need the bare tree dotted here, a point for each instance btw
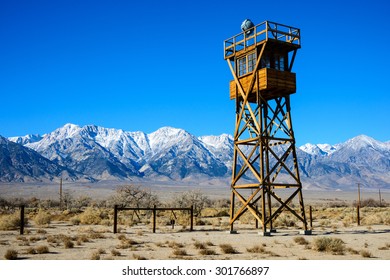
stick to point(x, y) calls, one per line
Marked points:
point(192, 198)
point(134, 196)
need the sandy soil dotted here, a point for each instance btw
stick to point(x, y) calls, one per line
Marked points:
point(138, 242)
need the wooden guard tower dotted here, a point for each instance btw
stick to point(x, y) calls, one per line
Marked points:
point(265, 176)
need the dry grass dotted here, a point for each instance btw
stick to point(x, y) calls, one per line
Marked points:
point(126, 243)
point(259, 249)
point(199, 245)
point(366, 254)
point(31, 251)
point(10, 222)
point(300, 240)
point(228, 249)
point(90, 216)
point(42, 249)
point(207, 252)
point(179, 252)
point(138, 257)
point(43, 218)
point(95, 256)
point(174, 244)
point(352, 251)
point(68, 244)
point(11, 254)
point(115, 253)
point(327, 244)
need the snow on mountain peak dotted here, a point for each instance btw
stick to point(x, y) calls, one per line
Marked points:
point(23, 140)
point(67, 131)
point(217, 141)
point(165, 137)
point(318, 149)
point(364, 141)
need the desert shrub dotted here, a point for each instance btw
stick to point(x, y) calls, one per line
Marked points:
point(31, 251)
point(369, 202)
point(174, 244)
point(199, 245)
point(11, 222)
point(373, 219)
point(42, 218)
point(285, 220)
point(95, 256)
point(127, 243)
point(82, 201)
point(327, 244)
point(256, 249)
point(11, 254)
point(221, 203)
point(300, 240)
point(42, 249)
point(365, 254)
point(227, 249)
point(90, 216)
point(138, 257)
point(34, 239)
point(115, 253)
point(68, 244)
point(82, 238)
point(75, 221)
point(179, 252)
point(23, 241)
point(223, 213)
point(96, 235)
point(352, 251)
point(207, 252)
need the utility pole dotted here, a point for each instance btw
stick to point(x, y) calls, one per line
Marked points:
point(380, 198)
point(358, 206)
point(61, 194)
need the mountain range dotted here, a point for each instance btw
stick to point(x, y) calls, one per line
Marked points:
point(93, 153)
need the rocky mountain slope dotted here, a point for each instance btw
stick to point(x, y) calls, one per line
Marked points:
point(175, 154)
point(20, 164)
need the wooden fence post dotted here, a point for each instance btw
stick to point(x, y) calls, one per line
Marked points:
point(192, 218)
point(115, 218)
point(311, 217)
point(154, 218)
point(21, 219)
point(358, 215)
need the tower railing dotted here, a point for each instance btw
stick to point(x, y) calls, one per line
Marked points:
point(260, 33)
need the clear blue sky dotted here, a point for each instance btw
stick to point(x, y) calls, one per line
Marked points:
point(141, 65)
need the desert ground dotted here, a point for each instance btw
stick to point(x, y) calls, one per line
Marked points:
point(87, 233)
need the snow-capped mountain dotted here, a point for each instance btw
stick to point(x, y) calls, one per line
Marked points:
point(360, 159)
point(23, 140)
point(113, 153)
point(91, 150)
point(175, 154)
point(21, 164)
point(221, 147)
point(318, 149)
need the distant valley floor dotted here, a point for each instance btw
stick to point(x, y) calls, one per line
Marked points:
point(166, 190)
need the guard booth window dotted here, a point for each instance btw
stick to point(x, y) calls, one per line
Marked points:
point(246, 64)
point(242, 66)
point(279, 62)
